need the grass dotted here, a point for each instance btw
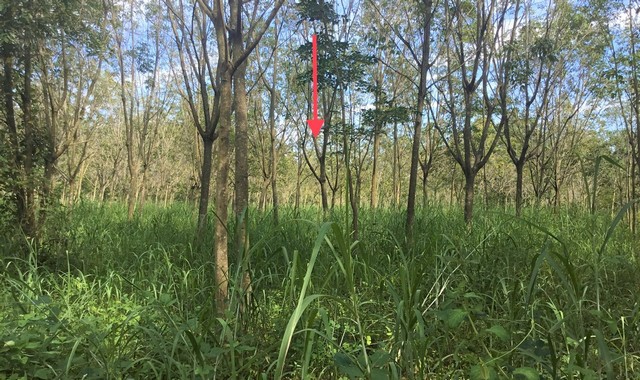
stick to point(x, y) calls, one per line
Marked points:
point(551, 295)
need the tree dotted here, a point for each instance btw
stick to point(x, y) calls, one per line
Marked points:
point(270, 142)
point(474, 35)
point(232, 51)
point(70, 66)
point(618, 21)
point(27, 26)
point(528, 81)
point(139, 54)
point(329, 49)
point(420, 56)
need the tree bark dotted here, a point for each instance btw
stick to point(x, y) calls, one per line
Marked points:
point(9, 111)
point(519, 185)
point(417, 125)
point(29, 224)
point(377, 130)
point(469, 187)
point(242, 171)
point(272, 135)
point(395, 201)
point(220, 246)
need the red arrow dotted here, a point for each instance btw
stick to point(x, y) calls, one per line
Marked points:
point(315, 124)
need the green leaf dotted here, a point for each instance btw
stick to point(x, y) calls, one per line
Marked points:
point(379, 374)
point(347, 366)
point(303, 302)
point(499, 331)
point(483, 372)
point(43, 373)
point(452, 317)
point(526, 373)
point(165, 298)
point(380, 359)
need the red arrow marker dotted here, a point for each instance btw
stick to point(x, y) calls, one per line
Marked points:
point(315, 124)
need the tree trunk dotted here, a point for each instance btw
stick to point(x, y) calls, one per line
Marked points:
point(133, 191)
point(272, 134)
point(375, 180)
point(205, 185)
point(296, 205)
point(632, 195)
point(323, 191)
point(469, 187)
point(220, 246)
point(9, 113)
point(377, 130)
point(242, 172)
point(417, 125)
point(425, 195)
point(396, 170)
point(142, 189)
point(241, 162)
point(29, 224)
point(519, 180)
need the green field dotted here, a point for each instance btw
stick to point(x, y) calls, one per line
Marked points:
point(550, 295)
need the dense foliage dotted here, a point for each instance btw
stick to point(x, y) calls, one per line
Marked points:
point(551, 295)
point(469, 208)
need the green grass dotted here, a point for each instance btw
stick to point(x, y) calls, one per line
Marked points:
point(551, 295)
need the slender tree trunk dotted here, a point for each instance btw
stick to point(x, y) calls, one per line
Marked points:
point(469, 187)
point(133, 191)
point(242, 173)
point(79, 182)
point(274, 179)
point(10, 117)
point(205, 185)
point(349, 190)
point(142, 189)
point(425, 195)
point(323, 191)
point(94, 192)
point(274, 161)
point(272, 134)
point(375, 176)
point(241, 163)
point(220, 246)
point(27, 116)
point(519, 183)
point(415, 152)
point(377, 130)
point(632, 190)
point(396, 170)
point(417, 125)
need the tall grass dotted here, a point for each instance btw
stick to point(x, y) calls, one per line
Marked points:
point(551, 295)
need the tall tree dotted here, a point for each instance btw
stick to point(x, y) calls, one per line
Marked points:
point(26, 26)
point(474, 38)
point(420, 56)
point(69, 68)
point(191, 30)
point(619, 21)
point(234, 47)
point(139, 54)
point(270, 141)
point(527, 83)
point(322, 19)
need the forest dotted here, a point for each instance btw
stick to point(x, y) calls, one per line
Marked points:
point(468, 209)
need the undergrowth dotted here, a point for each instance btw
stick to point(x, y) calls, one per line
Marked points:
point(550, 295)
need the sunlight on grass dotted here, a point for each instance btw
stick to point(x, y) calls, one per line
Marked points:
point(546, 296)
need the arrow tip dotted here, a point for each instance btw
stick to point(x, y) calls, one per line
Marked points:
point(315, 126)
